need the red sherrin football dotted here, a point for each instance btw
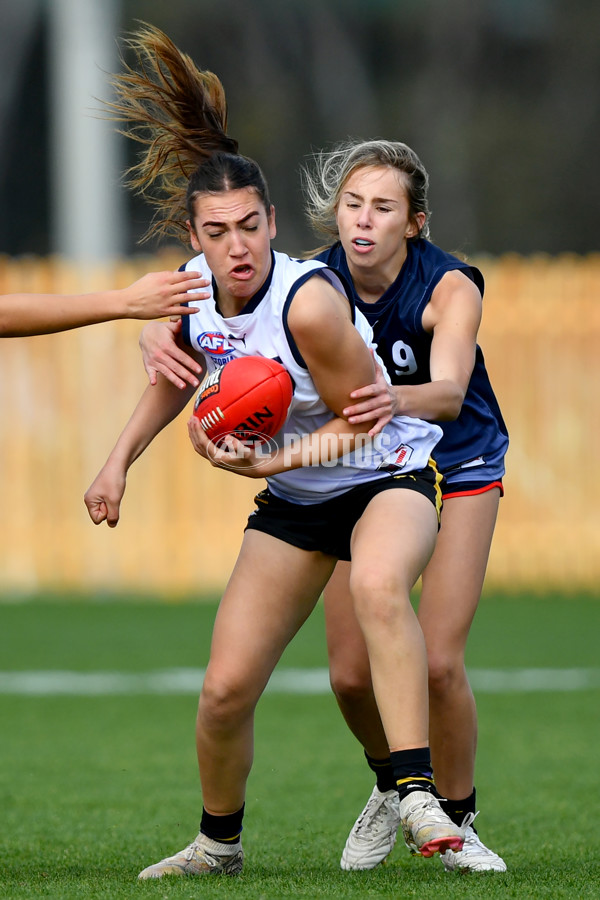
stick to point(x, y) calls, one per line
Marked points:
point(248, 397)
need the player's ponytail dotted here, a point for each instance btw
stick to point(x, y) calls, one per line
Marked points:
point(178, 114)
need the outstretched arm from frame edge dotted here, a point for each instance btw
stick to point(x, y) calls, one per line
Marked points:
point(155, 295)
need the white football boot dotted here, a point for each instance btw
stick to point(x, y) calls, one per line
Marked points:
point(426, 827)
point(202, 857)
point(474, 856)
point(374, 833)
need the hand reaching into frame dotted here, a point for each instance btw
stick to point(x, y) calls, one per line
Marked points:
point(160, 294)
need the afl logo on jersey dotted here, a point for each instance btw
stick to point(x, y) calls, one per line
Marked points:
point(216, 345)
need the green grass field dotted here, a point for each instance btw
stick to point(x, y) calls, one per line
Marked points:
point(95, 786)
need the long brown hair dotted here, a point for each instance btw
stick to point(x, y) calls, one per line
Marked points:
point(178, 114)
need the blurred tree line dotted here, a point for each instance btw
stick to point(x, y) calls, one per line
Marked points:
point(500, 98)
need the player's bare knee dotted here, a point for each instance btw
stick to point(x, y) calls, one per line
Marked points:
point(351, 686)
point(444, 674)
point(378, 597)
point(224, 703)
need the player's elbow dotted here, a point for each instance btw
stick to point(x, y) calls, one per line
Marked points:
point(451, 412)
point(451, 403)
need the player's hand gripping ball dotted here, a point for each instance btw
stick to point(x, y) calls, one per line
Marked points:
point(248, 397)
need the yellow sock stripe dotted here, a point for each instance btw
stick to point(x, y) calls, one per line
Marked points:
point(419, 778)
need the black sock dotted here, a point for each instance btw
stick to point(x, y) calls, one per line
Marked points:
point(458, 809)
point(383, 771)
point(412, 770)
point(225, 829)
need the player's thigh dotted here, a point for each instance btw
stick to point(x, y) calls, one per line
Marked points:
point(272, 590)
point(346, 647)
point(453, 579)
point(393, 540)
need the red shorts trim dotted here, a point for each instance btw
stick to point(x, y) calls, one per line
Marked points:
point(471, 489)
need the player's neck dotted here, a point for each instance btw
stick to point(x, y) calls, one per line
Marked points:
point(231, 306)
point(371, 285)
point(371, 282)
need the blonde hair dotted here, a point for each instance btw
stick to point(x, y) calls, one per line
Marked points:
point(324, 180)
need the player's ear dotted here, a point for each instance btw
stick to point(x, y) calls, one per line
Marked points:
point(194, 240)
point(271, 221)
point(415, 225)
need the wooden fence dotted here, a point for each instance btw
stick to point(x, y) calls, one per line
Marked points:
point(64, 398)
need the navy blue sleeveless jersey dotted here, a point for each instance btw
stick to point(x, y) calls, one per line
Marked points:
point(478, 436)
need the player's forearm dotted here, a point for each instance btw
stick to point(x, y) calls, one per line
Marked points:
point(22, 315)
point(434, 401)
point(330, 442)
point(159, 405)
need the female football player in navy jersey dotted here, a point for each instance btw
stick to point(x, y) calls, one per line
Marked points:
point(425, 307)
point(323, 502)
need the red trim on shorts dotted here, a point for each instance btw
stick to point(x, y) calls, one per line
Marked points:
point(472, 492)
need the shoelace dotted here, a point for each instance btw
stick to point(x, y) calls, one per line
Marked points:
point(372, 813)
point(468, 821)
point(195, 847)
point(191, 849)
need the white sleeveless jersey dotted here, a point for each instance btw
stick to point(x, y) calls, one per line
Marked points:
point(261, 329)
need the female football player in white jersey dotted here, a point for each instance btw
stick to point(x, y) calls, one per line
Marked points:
point(311, 514)
point(425, 307)
point(154, 295)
